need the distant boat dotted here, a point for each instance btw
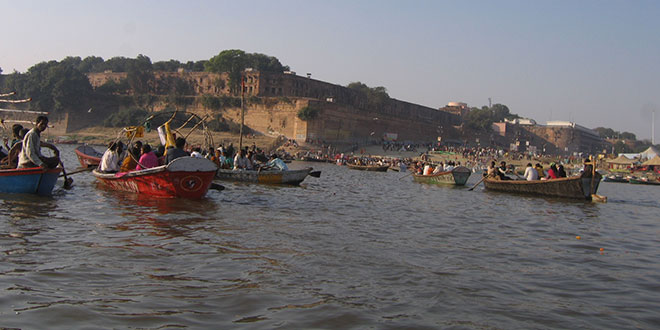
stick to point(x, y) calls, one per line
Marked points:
point(292, 177)
point(615, 178)
point(575, 187)
point(644, 181)
point(376, 168)
point(88, 156)
point(185, 177)
point(458, 176)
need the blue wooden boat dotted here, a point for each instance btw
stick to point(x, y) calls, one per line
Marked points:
point(35, 180)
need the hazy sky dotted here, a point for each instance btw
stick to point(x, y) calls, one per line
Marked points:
point(593, 62)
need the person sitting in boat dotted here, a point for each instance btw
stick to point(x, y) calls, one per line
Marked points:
point(148, 158)
point(552, 172)
point(427, 169)
point(110, 160)
point(176, 151)
point(530, 173)
point(30, 155)
point(586, 171)
point(276, 163)
point(196, 153)
point(561, 173)
point(438, 169)
point(539, 170)
point(501, 171)
point(240, 161)
point(16, 131)
point(491, 172)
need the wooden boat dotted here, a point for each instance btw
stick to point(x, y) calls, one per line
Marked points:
point(292, 177)
point(615, 178)
point(376, 168)
point(88, 156)
point(458, 176)
point(575, 187)
point(35, 180)
point(185, 177)
point(644, 181)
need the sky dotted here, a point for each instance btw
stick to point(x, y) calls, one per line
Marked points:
point(596, 63)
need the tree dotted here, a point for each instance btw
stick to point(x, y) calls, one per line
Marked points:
point(308, 113)
point(140, 74)
point(479, 119)
point(628, 136)
point(235, 61)
point(376, 96)
point(232, 61)
point(91, 64)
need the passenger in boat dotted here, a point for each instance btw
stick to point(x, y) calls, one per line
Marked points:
point(552, 172)
point(501, 171)
point(240, 161)
point(530, 173)
point(427, 169)
point(492, 170)
point(539, 170)
point(438, 169)
point(176, 151)
point(587, 169)
point(148, 158)
point(16, 131)
point(561, 173)
point(276, 163)
point(196, 153)
point(110, 159)
point(30, 155)
point(226, 162)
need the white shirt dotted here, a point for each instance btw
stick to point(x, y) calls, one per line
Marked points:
point(531, 174)
point(110, 161)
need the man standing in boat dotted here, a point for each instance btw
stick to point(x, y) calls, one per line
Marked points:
point(30, 155)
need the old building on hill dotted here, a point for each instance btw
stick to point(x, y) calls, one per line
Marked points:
point(339, 114)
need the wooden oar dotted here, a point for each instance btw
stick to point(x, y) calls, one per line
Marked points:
point(68, 182)
point(86, 169)
point(480, 181)
point(411, 173)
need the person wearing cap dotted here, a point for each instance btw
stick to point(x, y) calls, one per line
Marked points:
point(276, 163)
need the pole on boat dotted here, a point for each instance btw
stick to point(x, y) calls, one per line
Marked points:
point(480, 181)
point(240, 138)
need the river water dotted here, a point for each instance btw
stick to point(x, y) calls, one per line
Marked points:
point(350, 249)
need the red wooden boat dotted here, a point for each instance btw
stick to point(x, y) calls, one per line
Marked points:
point(88, 156)
point(185, 177)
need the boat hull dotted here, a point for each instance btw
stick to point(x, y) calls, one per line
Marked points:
point(292, 177)
point(458, 176)
point(573, 187)
point(373, 168)
point(88, 156)
point(34, 180)
point(184, 177)
point(649, 182)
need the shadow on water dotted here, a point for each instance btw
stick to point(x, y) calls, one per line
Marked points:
point(27, 206)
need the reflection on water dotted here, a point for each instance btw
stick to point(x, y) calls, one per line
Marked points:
point(350, 249)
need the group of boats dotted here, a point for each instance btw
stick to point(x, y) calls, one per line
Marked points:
point(576, 187)
point(631, 179)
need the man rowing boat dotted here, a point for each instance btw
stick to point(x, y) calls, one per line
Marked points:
point(30, 155)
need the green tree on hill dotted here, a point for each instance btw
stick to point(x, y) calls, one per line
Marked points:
point(235, 61)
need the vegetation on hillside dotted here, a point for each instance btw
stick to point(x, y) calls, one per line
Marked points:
point(376, 96)
point(235, 61)
point(483, 119)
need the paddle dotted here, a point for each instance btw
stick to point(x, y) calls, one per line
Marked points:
point(86, 169)
point(68, 182)
point(480, 181)
point(216, 186)
point(411, 173)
